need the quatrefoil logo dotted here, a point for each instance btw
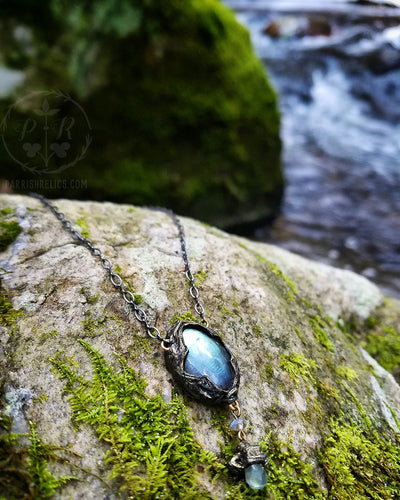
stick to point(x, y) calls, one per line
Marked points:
point(46, 132)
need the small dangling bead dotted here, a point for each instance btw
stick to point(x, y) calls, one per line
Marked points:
point(237, 425)
point(255, 476)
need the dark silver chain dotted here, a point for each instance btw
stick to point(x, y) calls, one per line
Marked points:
point(116, 279)
point(193, 290)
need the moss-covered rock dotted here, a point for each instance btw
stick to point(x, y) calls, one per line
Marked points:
point(91, 394)
point(9, 228)
point(182, 112)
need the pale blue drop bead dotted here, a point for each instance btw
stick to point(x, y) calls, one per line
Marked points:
point(207, 357)
point(255, 476)
point(237, 424)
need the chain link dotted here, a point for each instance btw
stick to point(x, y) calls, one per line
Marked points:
point(193, 290)
point(115, 278)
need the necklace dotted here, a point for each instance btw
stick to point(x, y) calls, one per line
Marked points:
point(195, 354)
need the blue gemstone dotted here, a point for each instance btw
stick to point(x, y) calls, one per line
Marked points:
point(207, 357)
point(256, 476)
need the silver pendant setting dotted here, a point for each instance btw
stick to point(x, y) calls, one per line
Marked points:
point(201, 363)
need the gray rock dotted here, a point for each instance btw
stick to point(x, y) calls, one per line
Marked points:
point(283, 316)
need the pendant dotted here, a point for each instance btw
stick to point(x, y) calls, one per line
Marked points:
point(250, 461)
point(201, 363)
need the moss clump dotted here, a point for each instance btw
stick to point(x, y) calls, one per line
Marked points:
point(24, 470)
point(384, 345)
point(141, 345)
point(84, 227)
point(273, 268)
point(257, 330)
point(361, 464)
point(8, 315)
point(224, 310)
point(186, 316)
point(195, 123)
point(14, 474)
point(6, 211)
point(199, 278)
point(346, 372)
point(152, 452)
point(298, 366)
point(48, 335)
point(93, 327)
point(320, 335)
point(327, 390)
point(9, 230)
point(90, 299)
point(268, 373)
point(44, 482)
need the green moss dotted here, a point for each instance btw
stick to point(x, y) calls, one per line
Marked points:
point(42, 398)
point(301, 337)
point(8, 315)
point(151, 449)
point(6, 211)
point(118, 269)
point(141, 345)
point(298, 366)
point(90, 299)
point(318, 324)
point(44, 482)
point(345, 372)
point(48, 335)
point(235, 304)
point(9, 230)
point(14, 476)
point(257, 330)
point(275, 270)
point(199, 278)
point(93, 327)
point(268, 373)
point(327, 390)
point(384, 345)
point(24, 470)
point(84, 227)
point(361, 464)
point(224, 310)
point(186, 316)
point(138, 298)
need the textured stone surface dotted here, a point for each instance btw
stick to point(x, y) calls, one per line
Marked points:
point(270, 317)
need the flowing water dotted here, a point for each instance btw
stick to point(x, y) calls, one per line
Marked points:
point(337, 71)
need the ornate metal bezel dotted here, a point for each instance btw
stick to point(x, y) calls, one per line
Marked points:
point(200, 388)
point(246, 455)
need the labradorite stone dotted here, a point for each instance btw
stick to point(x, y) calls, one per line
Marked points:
point(207, 357)
point(237, 424)
point(256, 476)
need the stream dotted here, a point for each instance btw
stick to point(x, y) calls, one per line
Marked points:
point(336, 67)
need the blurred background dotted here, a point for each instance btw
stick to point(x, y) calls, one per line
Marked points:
point(278, 120)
